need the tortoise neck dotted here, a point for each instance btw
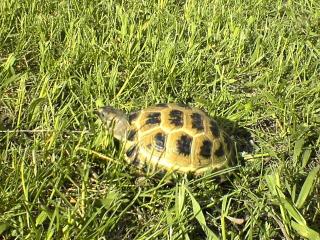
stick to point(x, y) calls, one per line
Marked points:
point(120, 129)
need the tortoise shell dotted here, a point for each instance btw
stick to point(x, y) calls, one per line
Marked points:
point(177, 137)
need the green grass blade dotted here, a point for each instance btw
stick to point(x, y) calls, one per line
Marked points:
point(197, 211)
point(224, 213)
point(3, 227)
point(305, 158)
point(41, 217)
point(272, 183)
point(307, 187)
point(293, 212)
point(180, 198)
point(305, 232)
point(297, 150)
point(36, 103)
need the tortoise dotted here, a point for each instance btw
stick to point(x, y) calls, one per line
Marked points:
point(175, 137)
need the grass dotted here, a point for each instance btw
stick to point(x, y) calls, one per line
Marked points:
point(255, 64)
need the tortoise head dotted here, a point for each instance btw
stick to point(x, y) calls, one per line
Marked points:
point(114, 119)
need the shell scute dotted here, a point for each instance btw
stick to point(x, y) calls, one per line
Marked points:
point(206, 149)
point(160, 141)
point(184, 144)
point(197, 121)
point(219, 151)
point(176, 118)
point(133, 117)
point(148, 121)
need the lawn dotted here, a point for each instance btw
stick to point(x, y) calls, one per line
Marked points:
point(254, 65)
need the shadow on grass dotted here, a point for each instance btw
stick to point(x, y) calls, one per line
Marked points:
point(240, 136)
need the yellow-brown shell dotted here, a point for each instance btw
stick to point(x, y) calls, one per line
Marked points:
point(177, 137)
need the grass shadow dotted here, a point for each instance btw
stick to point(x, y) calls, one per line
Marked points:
point(239, 135)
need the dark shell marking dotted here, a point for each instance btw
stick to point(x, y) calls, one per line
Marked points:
point(228, 142)
point(136, 161)
point(184, 145)
point(214, 128)
point(162, 105)
point(197, 122)
point(131, 151)
point(183, 105)
point(153, 118)
point(131, 134)
point(219, 152)
point(160, 141)
point(133, 116)
point(176, 118)
point(205, 149)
